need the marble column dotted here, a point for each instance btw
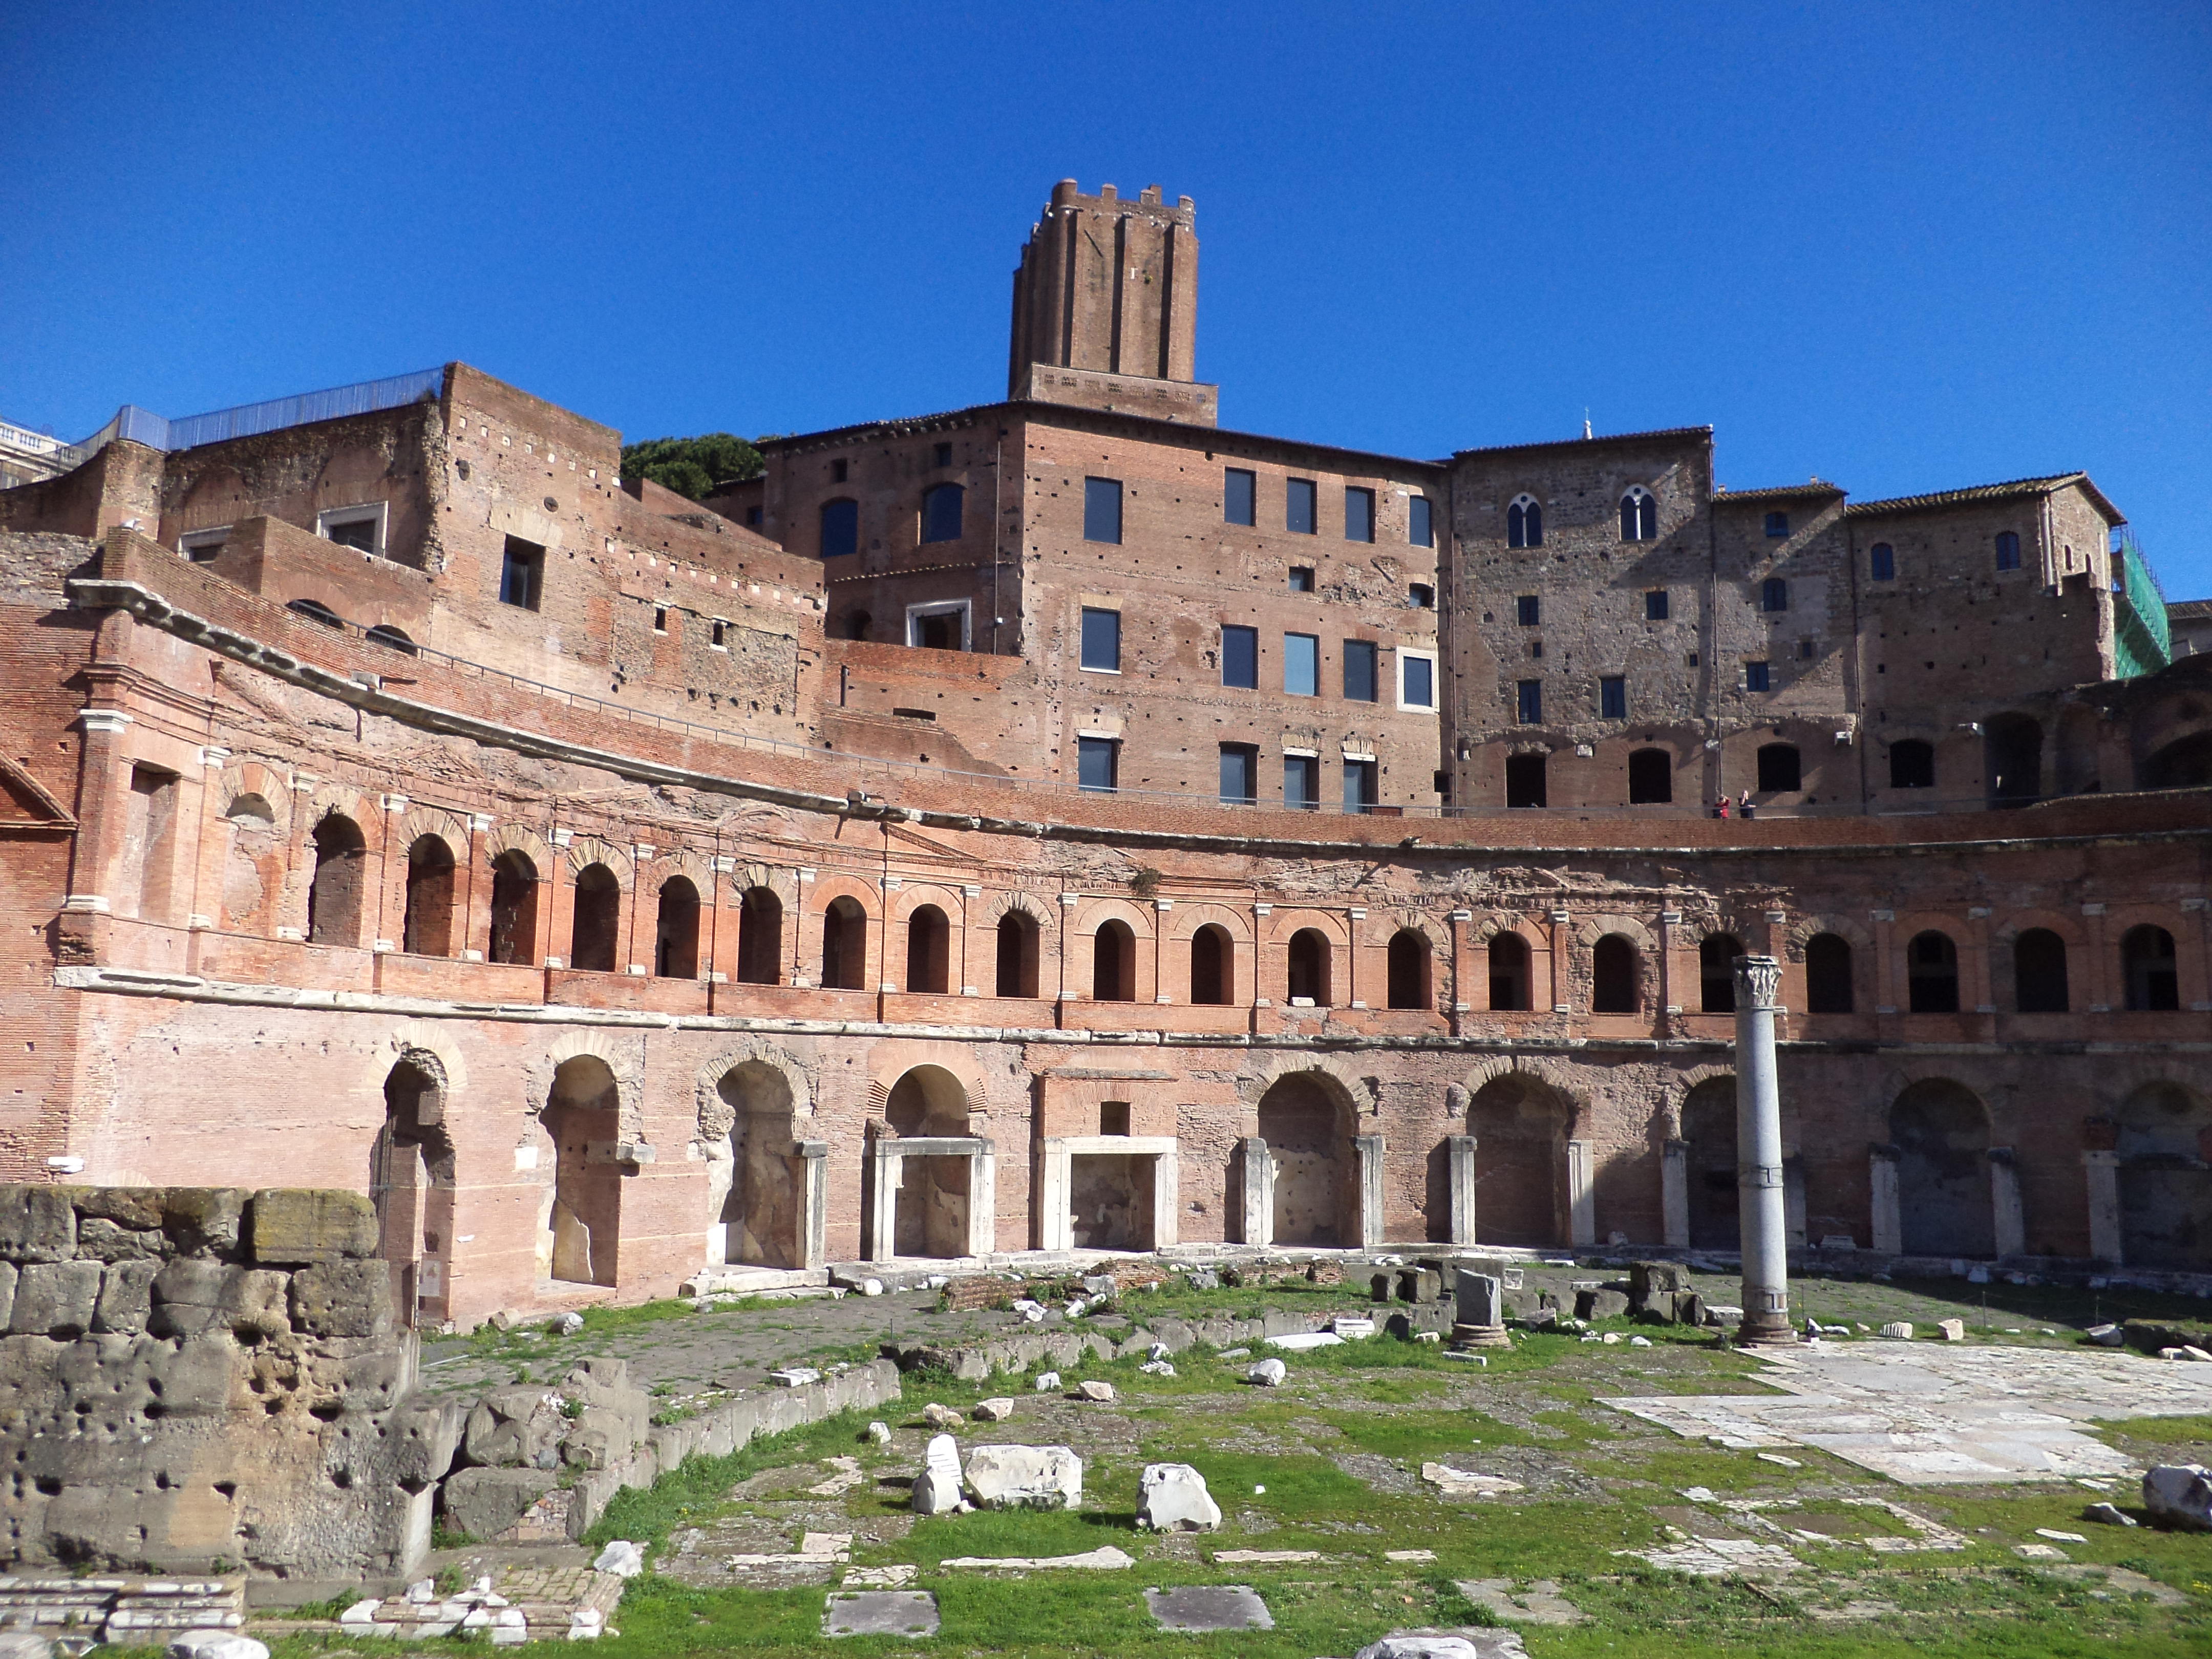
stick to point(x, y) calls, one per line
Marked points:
point(1759, 1154)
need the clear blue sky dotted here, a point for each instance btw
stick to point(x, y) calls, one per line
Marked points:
point(1905, 248)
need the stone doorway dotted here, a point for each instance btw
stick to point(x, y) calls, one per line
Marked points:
point(411, 1183)
point(579, 1235)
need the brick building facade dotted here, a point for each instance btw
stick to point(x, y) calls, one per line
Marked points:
point(1065, 823)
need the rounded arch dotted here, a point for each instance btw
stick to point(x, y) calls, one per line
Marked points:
point(1799, 930)
point(1594, 927)
point(743, 878)
point(2165, 1146)
point(929, 949)
point(327, 798)
point(890, 1063)
point(338, 887)
point(1213, 965)
point(622, 1061)
point(1310, 962)
point(697, 868)
point(927, 1099)
point(1358, 1092)
point(1931, 972)
point(519, 838)
point(252, 783)
point(912, 895)
point(1521, 1121)
point(580, 1234)
point(1113, 961)
point(1308, 1118)
point(1092, 912)
point(2150, 976)
point(427, 916)
point(1708, 1132)
point(595, 899)
point(448, 827)
point(760, 935)
point(1940, 1130)
point(1552, 1074)
point(715, 1115)
point(754, 1186)
point(675, 929)
point(998, 906)
point(585, 851)
point(1410, 964)
point(1189, 917)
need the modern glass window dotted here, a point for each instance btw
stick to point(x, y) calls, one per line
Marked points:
point(1777, 524)
point(1530, 697)
point(1359, 671)
point(1422, 595)
point(1101, 640)
point(1774, 594)
point(522, 573)
point(1639, 515)
point(841, 529)
point(1755, 678)
point(1612, 697)
point(1420, 529)
point(1302, 782)
point(1102, 510)
point(1098, 765)
point(1654, 606)
point(1240, 656)
point(1528, 609)
point(1301, 664)
point(1360, 786)
point(2008, 550)
point(1240, 775)
point(1359, 514)
point(1299, 506)
point(1417, 681)
point(941, 513)
point(1882, 562)
point(1524, 523)
point(1239, 491)
point(1301, 578)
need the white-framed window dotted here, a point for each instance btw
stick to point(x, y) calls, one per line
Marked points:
point(1417, 679)
point(361, 527)
point(939, 627)
point(202, 545)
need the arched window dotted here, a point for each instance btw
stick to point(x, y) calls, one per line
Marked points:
point(1309, 975)
point(841, 529)
point(2011, 747)
point(1508, 973)
point(2008, 550)
point(1931, 974)
point(1018, 955)
point(1114, 964)
point(1717, 955)
point(1774, 594)
point(760, 938)
point(385, 635)
point(1408, 964)
point(427, 928)
point(1615, 971)
point(1882, 562)
point(676, 931)
point(1639, 515)
point(1780, 769)
point(928, 951)
point(1212, 967)
point(2146, 963)
point(316, 610)
point(1650, 777)
point(2038, 972)
point(1827, 975)
point(514, 910)
point(334, 894)
point(1911, 764)
point(940, 513)
point(596, 920)
point(1524, 523)
point(844, 945)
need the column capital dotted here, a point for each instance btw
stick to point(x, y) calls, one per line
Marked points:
point(1757, 981)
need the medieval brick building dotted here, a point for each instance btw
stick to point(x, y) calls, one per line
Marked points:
point(1066, 823)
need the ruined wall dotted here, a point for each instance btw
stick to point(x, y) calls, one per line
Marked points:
point(194, 1378)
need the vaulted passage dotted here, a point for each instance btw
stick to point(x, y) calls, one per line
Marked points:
point(760, 938)
point(580, 1232)
point(933, 1195)
point(1709, 1127)
point(427, 927)
point(2166, 1178)
point(1212, 967)
point(410, 1182)
point(1017, 964)
point(1520, 1129)
point(1942, 1134)
point(514, 910)
point(1409, 961)
point(676, 931)
point(341, 871)
point(1114, 964)
point(760, 1216)
point(844, 945)
point(929, 950)
point(1307, 1129)
point(597, 919)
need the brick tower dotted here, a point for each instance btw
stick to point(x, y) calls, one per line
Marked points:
point(1106, 306)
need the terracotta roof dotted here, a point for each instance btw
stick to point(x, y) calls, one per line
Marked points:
point(1781, 492)
point(1993, 492)
point(2191, 608)
point(1602, 438)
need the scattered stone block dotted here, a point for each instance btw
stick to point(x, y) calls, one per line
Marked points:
point(2058, 1537)
point(2179, 1495)
point(1432, 1645)
point(1173, 1498)
point(296, 1226)
point(847, 1474)
point(1639, 1341)
point(1267, 1373)
point(1465, 1483)
point(1025, 1477)
point(1100, 1393)
point(622, 1557)
point(2110, 1514)
point(567, 1324)
point(937, 1488)
point(1305, 1341)
point(215, 1644)
point(897, 1576)
point(938, 1416)
point(1105, 1559)
point(880, 1433)
point(2038, 1553)
point(1202, 1279)
point(880, 1612)
point(1951, 1330)
point(1898, 1330)
point(1157, 1368)
point(484, 1502)
point(1351, 1329)
point(1209, 1607)
point(1046, 1381)
point(1778, 1459)
point(1539, 1603)
point(997, 1409)
point(1410, 1557)
point(1265, 1558)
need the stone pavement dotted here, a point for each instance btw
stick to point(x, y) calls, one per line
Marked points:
point(1925, 1415)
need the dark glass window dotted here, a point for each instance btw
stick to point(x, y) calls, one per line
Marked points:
point(1240, 656)
point(1302, 782)
point(1639, 515)
point(1359, 671)
point(1524, 523)
point(1359, 514)
point(1882, 562)
point(1301, 578)
point(522, 573)
point(2008, 550)
point(1778, 524)
point(1102, 639)
point(1654, 606)
point(1420, 530)
point(1240, 774)
point(1774, 594)
point(841, 529)
point(941, 513)
point(1612, 697)
point(1299, 506)
point(1238, 489)
point(1098, 763)
point(1528, 609)
point(1755, 678)
point(1417, 681)
point(1102, 510)
point(1301, 664)
point(1531, 699)
point(1360, 786)
point(1422, 595)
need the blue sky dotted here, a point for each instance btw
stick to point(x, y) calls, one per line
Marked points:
point(1903, 247)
